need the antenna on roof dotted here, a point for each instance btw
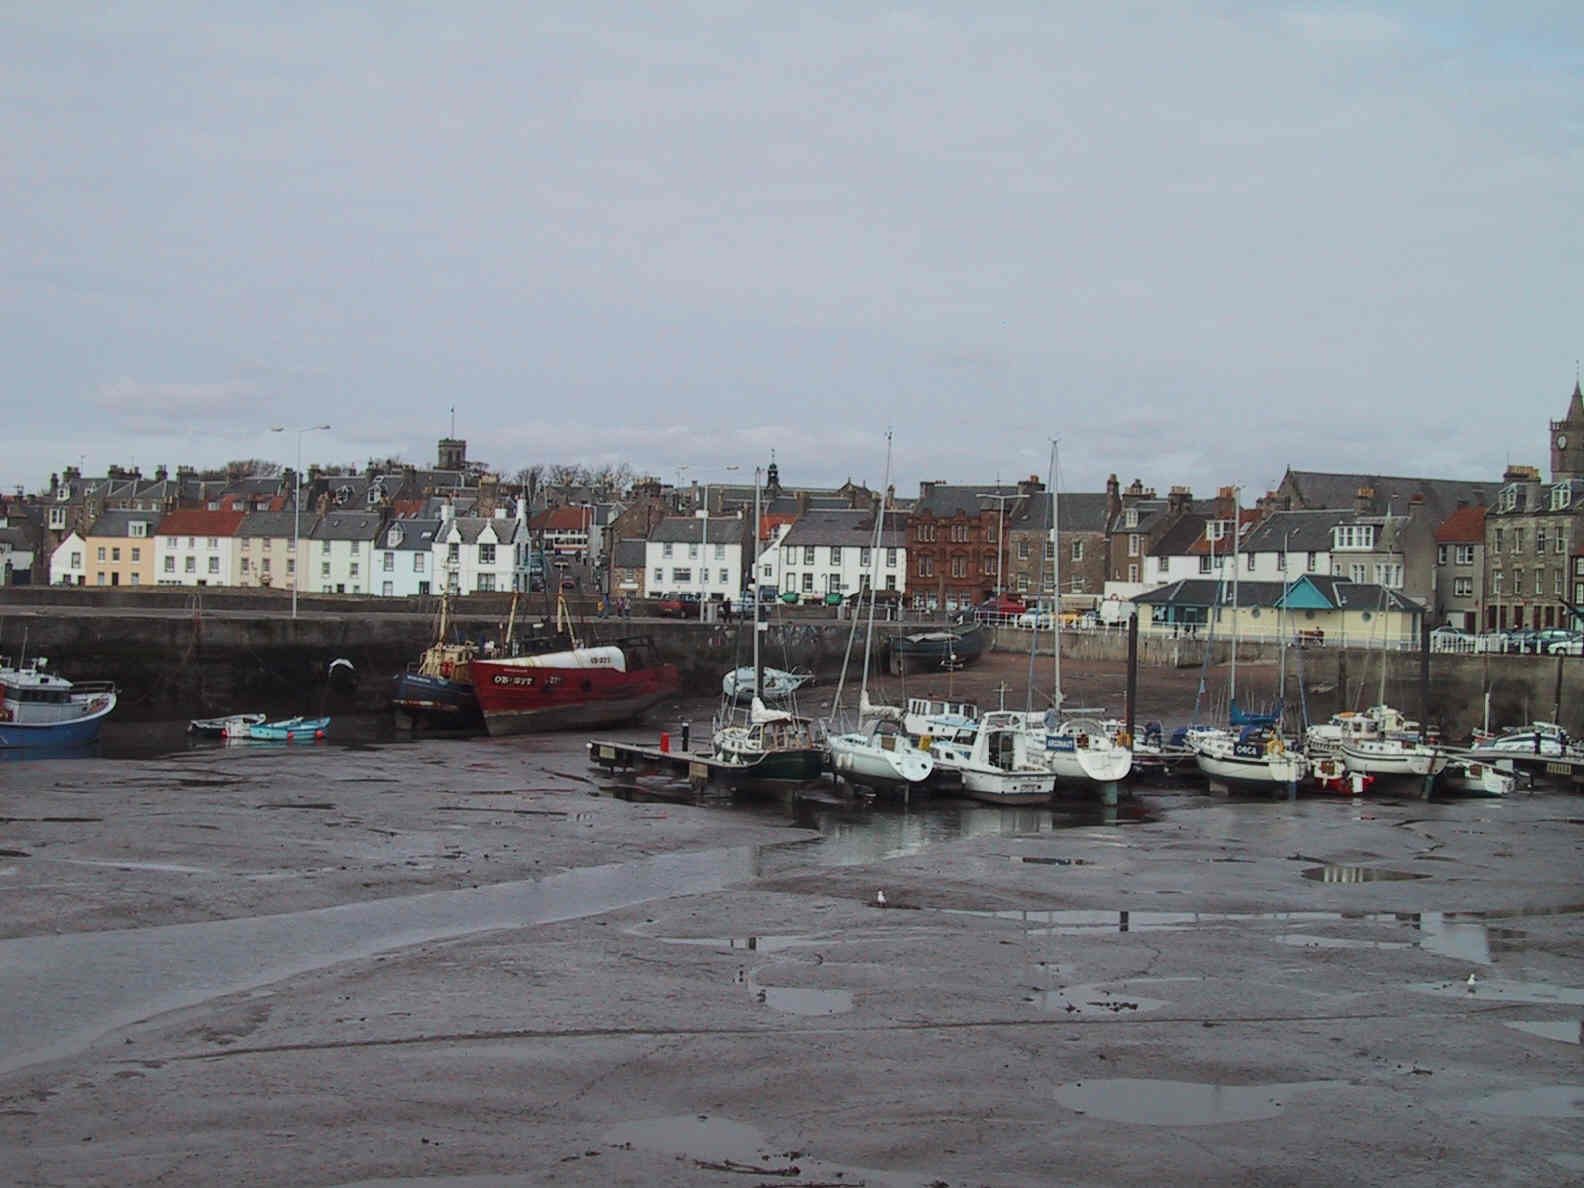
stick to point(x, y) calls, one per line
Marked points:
point(453, 420)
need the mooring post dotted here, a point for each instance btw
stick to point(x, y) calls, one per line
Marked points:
point(1292, 789)
point(1556, 695)
point(1427, 787)
point(1132, 673)
point(1108, 794)
point(1424, 678)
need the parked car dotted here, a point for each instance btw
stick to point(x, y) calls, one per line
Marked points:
point(1568, 647)
point(677, 606)
point(1524, 640)
point(1039, 620)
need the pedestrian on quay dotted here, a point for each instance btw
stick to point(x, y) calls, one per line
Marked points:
point(686, 727)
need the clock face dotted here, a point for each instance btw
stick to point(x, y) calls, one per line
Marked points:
point(1561, 441)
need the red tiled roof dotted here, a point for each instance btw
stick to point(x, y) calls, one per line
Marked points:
point(1462, 526)
point(562, 519)
point(200, 521)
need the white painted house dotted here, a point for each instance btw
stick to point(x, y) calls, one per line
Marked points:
point(832, 552)
point(478, 554)
point(338, 556)
point(68, 563)
point(405, 559)
point(197, 547)
point(696, 555)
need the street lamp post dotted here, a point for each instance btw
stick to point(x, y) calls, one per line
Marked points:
point(297, 568)
point(1001, 499)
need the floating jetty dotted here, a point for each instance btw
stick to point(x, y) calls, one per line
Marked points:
point(707, 775)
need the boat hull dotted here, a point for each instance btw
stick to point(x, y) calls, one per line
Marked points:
point(436, 701)
point(47, 736)
point(1253, 771)
point(526, 700)
point(859, 760)
point(797, 766)
point(1007, 787)
point(1406, 762)
point(1093, 765)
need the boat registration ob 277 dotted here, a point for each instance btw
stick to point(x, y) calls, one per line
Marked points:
point(40, 709)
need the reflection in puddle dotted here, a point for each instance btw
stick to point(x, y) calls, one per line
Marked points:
point(1567, 1031)
point(803, 1000)
point(1180, 1103)
point(1358, 874)
point(1542, 1101)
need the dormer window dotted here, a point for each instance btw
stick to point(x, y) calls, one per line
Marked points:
point(1509, 497)
point(1561, 496)
point(1216, 530)
point(1353, 536)
point(1132, 517)
point(137, 528)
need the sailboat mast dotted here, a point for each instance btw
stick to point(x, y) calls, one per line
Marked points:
point(874, 568)
point(1055, 548)
point(753, 589)
point(1232, 685)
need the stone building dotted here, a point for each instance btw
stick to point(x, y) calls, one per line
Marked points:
point(1535, 531)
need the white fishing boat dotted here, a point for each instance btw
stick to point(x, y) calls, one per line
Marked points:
point(223, 726)
point(775, 684)
point(1473, 777)
point(1000, 764)
point(935, 717)
point(1394, 755)
point(1545, 740)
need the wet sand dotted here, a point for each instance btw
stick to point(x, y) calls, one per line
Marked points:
point(463, 961)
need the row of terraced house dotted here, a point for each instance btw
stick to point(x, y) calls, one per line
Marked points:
point(1483, 554)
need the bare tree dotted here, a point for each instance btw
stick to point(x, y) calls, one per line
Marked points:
point(528, 480)
point(257, 467)
point(567, 474)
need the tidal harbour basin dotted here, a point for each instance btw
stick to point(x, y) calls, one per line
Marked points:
point(475, 961)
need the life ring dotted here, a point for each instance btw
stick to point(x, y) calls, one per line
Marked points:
point(446, 669)
point(1124, 739)
point(5, 713)
point(925, 742)
point(1275, 746)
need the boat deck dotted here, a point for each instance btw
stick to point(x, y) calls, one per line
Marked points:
point(706, 775)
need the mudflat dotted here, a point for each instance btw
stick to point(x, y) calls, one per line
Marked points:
point(470, 961)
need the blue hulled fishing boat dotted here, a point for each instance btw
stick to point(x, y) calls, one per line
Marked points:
point(39, 709)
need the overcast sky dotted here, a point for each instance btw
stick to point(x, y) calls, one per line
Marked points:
point(1199, 242)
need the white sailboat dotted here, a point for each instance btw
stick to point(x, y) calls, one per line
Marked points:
point(1076, 750)
point(1395, 748)
point(1251, 752)
point(878, 753)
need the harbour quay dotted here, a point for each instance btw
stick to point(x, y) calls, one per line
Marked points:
point(476, 961)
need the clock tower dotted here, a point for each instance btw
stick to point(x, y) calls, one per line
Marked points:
point(1567, 440)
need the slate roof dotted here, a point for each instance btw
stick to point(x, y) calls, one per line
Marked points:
point(1316, 489)
point(1179, 539)
point(20, 539)
point(1297, 531)
point(346, 525)
point(200, 521)
point(689, 530)
point(275, 525)
point(415, 536)
point(1081, 511)
point(1339, 592)
point(848, 527)
point(628, 554)
point(472, 527)
point(118, 523)
point(945, 500)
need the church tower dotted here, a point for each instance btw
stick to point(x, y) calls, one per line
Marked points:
point(1567, 440)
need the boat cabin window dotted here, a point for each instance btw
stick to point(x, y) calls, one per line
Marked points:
point(1003, 749)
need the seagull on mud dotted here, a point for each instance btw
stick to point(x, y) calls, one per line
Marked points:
point(1472, 981)
point(880, 898)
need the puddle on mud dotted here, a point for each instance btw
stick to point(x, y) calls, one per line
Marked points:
point(1541, 1101)
point(1501, 991)
point(755, 944)
point(719, 1144)
point(802, 1000)
point(1181, 1103)
point(1567, 1031)
point(1358, 874)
